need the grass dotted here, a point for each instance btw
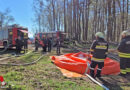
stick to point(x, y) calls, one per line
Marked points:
point(43, 76)
point(29, 57)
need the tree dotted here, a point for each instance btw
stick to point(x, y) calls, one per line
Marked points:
point(5, 18)
point(38, 7)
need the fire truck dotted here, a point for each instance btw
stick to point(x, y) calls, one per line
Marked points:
point(52, 35)
point(9, 35)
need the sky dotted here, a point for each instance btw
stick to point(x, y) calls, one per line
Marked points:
point(21, 10)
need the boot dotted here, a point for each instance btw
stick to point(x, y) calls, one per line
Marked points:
point(128, 74)
point(98, 75)
point(122, 75)
point(92, 73)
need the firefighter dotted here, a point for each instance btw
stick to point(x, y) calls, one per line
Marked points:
point(36, 44)
point(99, 49)
point(18, 45)
point(45, 43)
point(25, 42)
point(58, 44)
point(25, 45)
point(49, 44)
point(124, 53)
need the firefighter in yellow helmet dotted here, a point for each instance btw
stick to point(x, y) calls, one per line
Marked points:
point(99, 49)
point(124, 53)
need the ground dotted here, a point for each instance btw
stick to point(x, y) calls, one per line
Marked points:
point(44, 75)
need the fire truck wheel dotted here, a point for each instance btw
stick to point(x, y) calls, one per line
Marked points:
point(5, 44)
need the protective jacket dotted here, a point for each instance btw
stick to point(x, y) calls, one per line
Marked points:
point(124, 47)
point(99, 49)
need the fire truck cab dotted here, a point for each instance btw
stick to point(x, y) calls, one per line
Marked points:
point(53, 35)
point(9, 35)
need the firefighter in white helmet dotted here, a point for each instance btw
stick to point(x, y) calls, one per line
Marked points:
point(99, 49)
point(124, 53)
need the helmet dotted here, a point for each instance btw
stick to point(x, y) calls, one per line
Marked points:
point(126, 33)
point(123, 33)
point(99, 34)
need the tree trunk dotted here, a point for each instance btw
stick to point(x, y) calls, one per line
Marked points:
point(53, 6)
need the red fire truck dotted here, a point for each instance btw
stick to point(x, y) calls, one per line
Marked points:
point(11, 33)
point(52, 35)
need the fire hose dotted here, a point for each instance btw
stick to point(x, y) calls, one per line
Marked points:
point(95, 81)
point(5, 49)
point(25, 64)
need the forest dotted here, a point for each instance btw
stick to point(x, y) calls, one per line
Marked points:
point(81, 19)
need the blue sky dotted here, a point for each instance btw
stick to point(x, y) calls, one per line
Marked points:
point(21, 10)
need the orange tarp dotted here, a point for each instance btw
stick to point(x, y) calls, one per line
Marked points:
point(69, 73)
